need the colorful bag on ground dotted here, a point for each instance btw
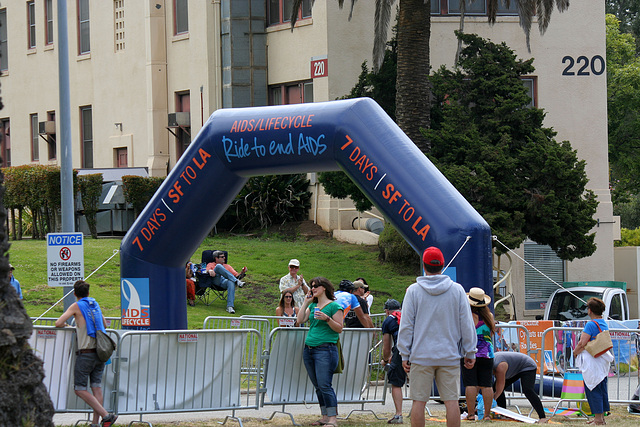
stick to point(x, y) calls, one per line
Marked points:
point(601, 344)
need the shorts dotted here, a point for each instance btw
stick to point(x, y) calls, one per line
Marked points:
point(396, 375)
point(88, 366)
point(447, 380)
point(481, 375)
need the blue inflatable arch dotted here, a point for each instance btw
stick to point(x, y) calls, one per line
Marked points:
point(353, 135)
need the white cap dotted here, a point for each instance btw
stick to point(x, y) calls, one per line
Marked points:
point(294, 262)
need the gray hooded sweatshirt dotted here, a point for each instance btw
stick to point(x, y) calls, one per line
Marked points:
point(436, 328)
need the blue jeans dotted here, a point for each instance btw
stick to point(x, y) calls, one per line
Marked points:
point(598, 398)
point(227, 281)
point(320, 362)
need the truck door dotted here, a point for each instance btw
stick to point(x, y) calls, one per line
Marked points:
point(615, 310)
point(625, 307)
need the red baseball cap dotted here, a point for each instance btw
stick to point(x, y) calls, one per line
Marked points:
point(433, 256)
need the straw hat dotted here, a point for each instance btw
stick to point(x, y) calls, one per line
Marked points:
point(477, 297)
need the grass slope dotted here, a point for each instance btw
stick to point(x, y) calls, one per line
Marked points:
point(265, 256)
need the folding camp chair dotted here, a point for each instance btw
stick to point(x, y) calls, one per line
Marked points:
point(572, 391)
point(206, 291)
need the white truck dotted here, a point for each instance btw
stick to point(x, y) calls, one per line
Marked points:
point(570, 303)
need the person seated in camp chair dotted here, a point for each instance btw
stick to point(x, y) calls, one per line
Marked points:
point(225, 279)
point(191, 284)
point(219, 257)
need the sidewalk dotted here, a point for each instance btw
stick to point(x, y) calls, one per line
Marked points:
point(384, 411)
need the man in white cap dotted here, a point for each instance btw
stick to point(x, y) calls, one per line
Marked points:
point(14, 281)
point(294, 283)
point(436, 331)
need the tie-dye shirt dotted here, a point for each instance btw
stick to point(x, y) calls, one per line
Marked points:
point(485, 346)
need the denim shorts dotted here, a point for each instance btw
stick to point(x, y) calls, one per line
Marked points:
point(88, 366)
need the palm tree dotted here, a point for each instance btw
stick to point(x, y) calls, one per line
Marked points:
point(414, 32)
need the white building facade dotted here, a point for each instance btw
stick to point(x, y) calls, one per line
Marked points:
point(146, 74)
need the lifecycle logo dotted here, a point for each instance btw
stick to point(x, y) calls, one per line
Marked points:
point(136, 311)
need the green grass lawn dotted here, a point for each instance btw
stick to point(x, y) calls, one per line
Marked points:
point(266, 258)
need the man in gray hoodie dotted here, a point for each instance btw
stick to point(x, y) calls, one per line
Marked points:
point(436, 330)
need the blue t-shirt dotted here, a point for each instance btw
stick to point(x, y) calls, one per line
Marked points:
point(347, 301)
point(591, 329)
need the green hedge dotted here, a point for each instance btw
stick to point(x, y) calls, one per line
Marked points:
point(32, 193)
point(139, 190)
point(90, 191)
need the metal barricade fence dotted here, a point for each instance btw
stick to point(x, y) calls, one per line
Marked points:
point(189, 370)
point(622, 380)
point(521, 339)
point(56, 347)
point(274, 321)
point(287, 381)
point(250, 358)
point(112, 322)
point(44, 321)
point(378, 319)
point(516, 338)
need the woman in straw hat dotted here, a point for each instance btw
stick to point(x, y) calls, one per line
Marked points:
point(481, 375)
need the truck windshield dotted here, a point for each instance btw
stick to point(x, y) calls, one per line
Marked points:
point(567, 307)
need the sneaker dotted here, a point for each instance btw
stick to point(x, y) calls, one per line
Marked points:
point(240, 283)
point(397, 419)
point(634, 408)
point(230, 310)
point(109, 420)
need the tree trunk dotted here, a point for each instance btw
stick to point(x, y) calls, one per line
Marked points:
point(413, 94)
point(19, 223)
point(24, 400)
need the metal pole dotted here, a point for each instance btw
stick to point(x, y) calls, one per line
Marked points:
point(66, 168)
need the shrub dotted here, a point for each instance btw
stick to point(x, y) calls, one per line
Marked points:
point(90, 191)
point(629, 237)
point(139, 190)
point(394, 248)
point(269, 200)
point(34, 190)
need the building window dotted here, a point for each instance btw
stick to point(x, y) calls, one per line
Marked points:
point(31, 24)
point(280, 11)
point(291, 93)
point(118, 18)
point(181, 16)
point(183, 131)
point(35, 150)
point(4, 58)
point(531, 84)
point(86, 135)
point(538, 287)
point(51, 137)
point(48, 18)
point(474, 7)
point(84, 40)
point(5, 142)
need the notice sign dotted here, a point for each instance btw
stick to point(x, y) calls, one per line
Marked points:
point(65, 258)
